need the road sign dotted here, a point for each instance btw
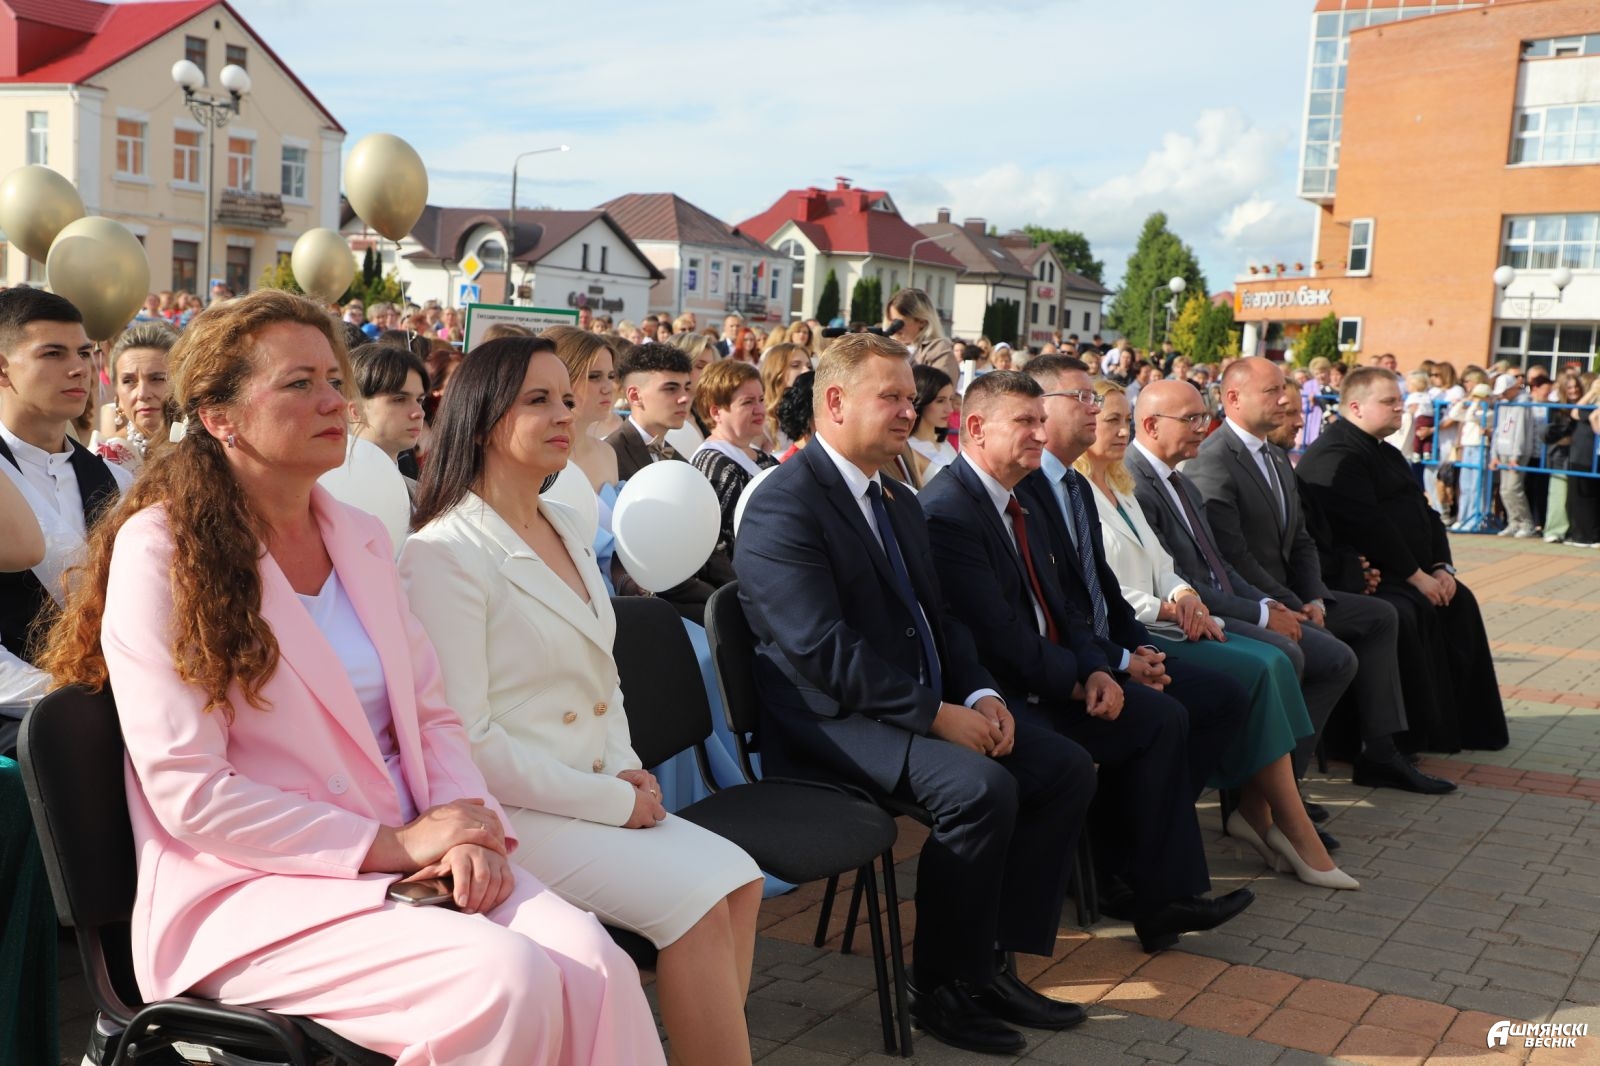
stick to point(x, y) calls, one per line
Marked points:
point(471, 266)
point(481, 316)
point(468, 293)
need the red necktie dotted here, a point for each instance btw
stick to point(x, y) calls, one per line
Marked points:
point(1019, 528)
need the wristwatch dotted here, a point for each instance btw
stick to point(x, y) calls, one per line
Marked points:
point(1446, 567)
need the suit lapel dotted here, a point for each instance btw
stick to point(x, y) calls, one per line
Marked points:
point(1239, 452)
point(1143, 470)
point(838, 495)
point(967, 478)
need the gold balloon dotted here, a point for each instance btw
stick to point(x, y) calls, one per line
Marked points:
point(36, 203)
point(101, 267)
point(323, 264)
point(386, 184)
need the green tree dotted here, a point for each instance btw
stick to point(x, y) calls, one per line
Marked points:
point(866, 301)
point(1321, 339)
point(371, 266)
point(279, 276)
point(1072, 248)
point(828, 302)
point(1204, 330)
point(1159, 257)
point(1002, 320)
point(1186, 327)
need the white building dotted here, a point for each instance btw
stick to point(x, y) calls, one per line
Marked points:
point(991, 274)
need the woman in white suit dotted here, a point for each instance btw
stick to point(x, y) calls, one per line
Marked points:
point(1270, 816)
point(506, 584)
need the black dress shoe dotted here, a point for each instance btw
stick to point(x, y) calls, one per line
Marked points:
point(1012, 1001)
point(951, 1016)
point(1329, 841)
point(1397, 773)
point(1116, 901)
point(1160, 928)
point(1315, 811)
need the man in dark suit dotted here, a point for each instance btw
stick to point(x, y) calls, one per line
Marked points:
point(865, 676)
point(1256, 517)
point(993, 557)
point(46, 379)
point(1170, 422)
point(1372, 500)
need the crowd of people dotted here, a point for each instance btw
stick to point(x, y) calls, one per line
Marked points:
point(1039, 594)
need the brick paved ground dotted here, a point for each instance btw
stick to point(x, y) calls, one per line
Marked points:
point(1474, 907)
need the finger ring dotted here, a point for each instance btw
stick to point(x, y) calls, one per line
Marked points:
point(653, 792)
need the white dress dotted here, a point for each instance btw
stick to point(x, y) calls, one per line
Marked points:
point(527, 664)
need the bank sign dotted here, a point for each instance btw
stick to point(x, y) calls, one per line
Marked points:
point(1304, 296)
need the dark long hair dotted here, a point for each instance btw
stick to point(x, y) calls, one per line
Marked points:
point(930, 381)
point(482, 390)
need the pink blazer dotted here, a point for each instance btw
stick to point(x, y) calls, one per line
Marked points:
point(254, 831)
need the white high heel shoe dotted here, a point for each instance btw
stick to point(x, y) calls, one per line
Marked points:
point(1334, 878)
point(1242, 832)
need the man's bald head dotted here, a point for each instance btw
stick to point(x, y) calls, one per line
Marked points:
point(1171, 420)
point(1255, 395)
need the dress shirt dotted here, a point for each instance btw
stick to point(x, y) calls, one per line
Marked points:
point(999, 496)
point(1258, 451)
point(650, 442)
point(1163, 475)
point(1056, 471)
point(857, 481)
point(52, 476)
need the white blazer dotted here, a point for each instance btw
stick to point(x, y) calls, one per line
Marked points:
point(1141, 564)
point(527, 664)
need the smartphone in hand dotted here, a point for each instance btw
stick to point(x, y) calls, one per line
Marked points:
point(433, 892)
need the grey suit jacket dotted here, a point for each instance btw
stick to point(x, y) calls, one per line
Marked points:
point(632, 455)
point(1272, 551)
point(1244, 603)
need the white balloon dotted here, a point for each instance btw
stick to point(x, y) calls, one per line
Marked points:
point(573, 489)
point(369, 480)
point(666, 523)
point(744, 497)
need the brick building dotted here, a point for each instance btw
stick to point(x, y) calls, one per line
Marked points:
point(1443, 140)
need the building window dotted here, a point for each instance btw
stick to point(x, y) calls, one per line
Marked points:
point(1350, 334)
point(238, 270)
point(777, 283)
point(1052, 314)
point(583, 263)
point(235, 55)
point(1087, 328)
point(941, 302)
point(492, 254)
point(241, 165)
point(294, 172)
point(186, 267)
point(194, 50)
point(716, 277)
point(130, 148)
point(736, 279)
point(603, 251)
point(894, 282)
point(1360, 258)
point(691, 278)
point(186, 156)
point(39, 138)
point(1033, 314)
point(1565, 134)
point(1544, 242)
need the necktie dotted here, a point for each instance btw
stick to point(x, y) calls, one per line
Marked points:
point(662, 450)
point(1274, 484)
point(1202, 537)
point(1019, 528)
point(1086, 561)
point(908, 594)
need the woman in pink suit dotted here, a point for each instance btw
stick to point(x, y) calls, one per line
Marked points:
point(290, 751)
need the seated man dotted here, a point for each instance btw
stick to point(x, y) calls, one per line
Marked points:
point(1170, 422)
point(46, 379)
point(865, 677)
point(1373, 503)
point(1261, 533)
point(992, 556)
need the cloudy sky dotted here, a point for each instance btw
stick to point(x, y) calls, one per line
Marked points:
point(1088, 114)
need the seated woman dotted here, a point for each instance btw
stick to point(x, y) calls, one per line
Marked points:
point(1271, 817)
point(729, 400)
point(290, 752)
point(936, 399)
point(140, 419)
point(780, 365)
point(392, 383)
point(795, 419)
point(516, 605)
point(593, 371)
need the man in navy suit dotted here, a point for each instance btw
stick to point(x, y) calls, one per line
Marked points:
point(866, 677)
point(994, 557)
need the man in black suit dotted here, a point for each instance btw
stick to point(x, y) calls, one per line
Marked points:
point(993, 557)
point(1366, 489)
point(1170, 422)
point(46, 379)
point(865, 676)
point(1256, 516)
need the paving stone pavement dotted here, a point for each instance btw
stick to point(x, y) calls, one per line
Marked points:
point(1474, 907)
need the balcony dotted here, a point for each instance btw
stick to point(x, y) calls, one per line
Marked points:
point(747, 303)
point(253, 210)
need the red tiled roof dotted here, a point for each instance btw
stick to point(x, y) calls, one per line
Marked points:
point(842, 221)
point(111, 33)
point(665, 216)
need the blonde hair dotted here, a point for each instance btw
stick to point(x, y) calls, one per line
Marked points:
point(691, 344)
point(1117, 475)
point(774, 365)
point(914, 303)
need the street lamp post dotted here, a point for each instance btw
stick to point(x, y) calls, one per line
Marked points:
point(511, 220)
point(1176, 286)
point(911, 261)
point(1560, 277)
point(212, 112)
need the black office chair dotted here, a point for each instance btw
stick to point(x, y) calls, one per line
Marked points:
point(72, 768)
point(798, 831)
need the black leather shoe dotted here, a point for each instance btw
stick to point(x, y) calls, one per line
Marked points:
point(1160, 928)
point(1397, 773)
point(1116, 901)
point(1329, 841)
point(1315, 811)
point(1012, 1001)
point(951, 1016)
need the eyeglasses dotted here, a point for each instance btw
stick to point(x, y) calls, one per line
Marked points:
point(1196, 421)
point(1083, 396)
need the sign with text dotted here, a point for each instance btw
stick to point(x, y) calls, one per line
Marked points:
point(481, 316)
point(1304, 296)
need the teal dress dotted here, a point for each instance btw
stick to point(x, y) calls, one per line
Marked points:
point(1278, 716)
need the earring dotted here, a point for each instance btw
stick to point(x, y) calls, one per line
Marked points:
point(232, 441)
point(120, 420)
